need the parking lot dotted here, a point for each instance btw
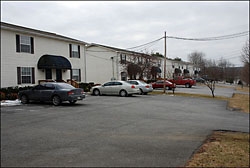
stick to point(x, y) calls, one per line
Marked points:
point(143, 130)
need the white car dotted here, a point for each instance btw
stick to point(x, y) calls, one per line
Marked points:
point(121, 88)
point(143, 86)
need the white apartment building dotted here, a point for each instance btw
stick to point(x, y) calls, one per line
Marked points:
point(173, 66)
point(29, 55)
point(105, 63)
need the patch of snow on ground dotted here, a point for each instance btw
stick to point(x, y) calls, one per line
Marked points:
point(10, 102)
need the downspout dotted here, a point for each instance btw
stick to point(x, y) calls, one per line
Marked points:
point(117, 66)
point(85, 64)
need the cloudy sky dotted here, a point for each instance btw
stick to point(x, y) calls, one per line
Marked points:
point(127, 24)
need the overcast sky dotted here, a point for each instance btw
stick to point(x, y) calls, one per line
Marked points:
point(126, 24)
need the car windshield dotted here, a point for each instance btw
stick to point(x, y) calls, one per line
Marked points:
point(65, 86)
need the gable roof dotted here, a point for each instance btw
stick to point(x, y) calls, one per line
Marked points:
point(115, 49)
point(22, 29)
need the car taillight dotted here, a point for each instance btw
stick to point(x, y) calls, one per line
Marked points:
point(82, 92)
point(133, 86)
point(71, 93)
point(147, 86)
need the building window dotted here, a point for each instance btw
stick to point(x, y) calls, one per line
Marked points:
point(74, 50)
point(76, 74)
point(24, 44)
point(25, 75)
point(123, 58)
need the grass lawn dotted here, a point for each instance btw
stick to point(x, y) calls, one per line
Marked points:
point(223, 149)
point(240, 101)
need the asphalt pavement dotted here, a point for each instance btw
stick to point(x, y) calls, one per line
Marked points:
point(138, 131)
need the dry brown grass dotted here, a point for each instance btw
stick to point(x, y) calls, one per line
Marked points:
point(223, 149)
point(244, 89)
point(239, 102)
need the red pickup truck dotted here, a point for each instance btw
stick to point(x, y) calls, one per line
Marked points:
point(179, 80)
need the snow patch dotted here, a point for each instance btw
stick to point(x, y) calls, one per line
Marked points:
point(10, 102)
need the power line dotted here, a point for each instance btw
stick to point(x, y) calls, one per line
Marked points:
point(235, 35)
point(224, 37)
point(145, 43)
point(145, 47)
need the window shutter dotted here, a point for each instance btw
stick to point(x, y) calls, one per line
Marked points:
point(79, 51)
point(33, 75)
point(32, 45)
point(70, 50)
point(79, 75)
point(19, 75)
point(17, 43)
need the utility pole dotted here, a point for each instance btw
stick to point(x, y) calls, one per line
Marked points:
point(165, 60)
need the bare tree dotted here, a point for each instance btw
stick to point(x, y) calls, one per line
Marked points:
point(211, 85)
point(133, 70)
point(245, 53)
point(198, 60)
point(211, 71)
point(226, 70)
point(245, 59)
point(139, 65)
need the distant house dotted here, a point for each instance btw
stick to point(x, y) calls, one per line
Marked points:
point(180, 68)
point(29, 55)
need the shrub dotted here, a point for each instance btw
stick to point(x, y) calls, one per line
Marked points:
point(11, 93)
point(86, 86)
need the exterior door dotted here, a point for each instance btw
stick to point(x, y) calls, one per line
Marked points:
point(58, 74)
point(48, 74)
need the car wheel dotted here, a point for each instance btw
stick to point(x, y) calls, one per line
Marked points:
point(24, 99)
point(123, 93)
point(72, 101)
point(141, 92)
point(56, 100)
point(167, 87)
point(187, 85)
point(96, 92)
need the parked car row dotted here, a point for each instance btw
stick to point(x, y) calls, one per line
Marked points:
point(59, 92)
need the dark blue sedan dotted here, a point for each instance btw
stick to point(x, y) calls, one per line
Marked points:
point(52, 91)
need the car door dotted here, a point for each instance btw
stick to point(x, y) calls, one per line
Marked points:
point(106, 88)
point(34, 93)
point(116, 87)
point(47, 92)
point(159, 84)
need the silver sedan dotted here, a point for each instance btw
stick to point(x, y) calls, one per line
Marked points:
point(121, 88)
point(143, 86)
